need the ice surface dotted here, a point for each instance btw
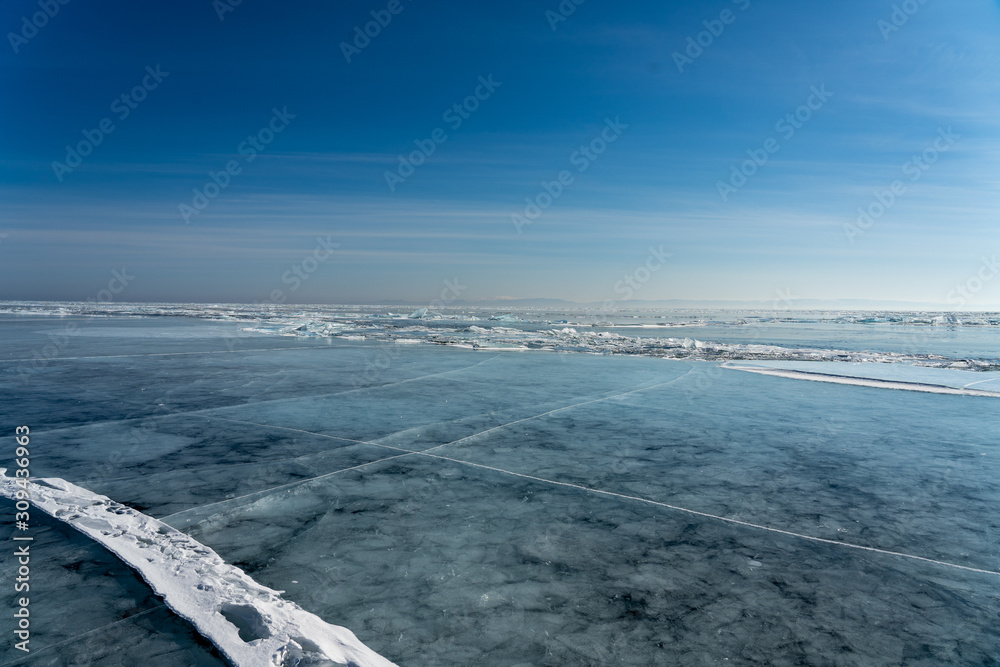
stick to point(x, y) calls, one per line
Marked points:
point(249, 623)
point(602, 507)
point(937, 339)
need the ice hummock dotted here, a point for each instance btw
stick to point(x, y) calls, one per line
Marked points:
point(932, 339)
point(250, 624)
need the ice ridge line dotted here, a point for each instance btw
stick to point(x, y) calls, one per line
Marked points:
point(875, 383)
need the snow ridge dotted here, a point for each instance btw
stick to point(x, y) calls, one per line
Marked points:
point(877, 383)
point(250, 624)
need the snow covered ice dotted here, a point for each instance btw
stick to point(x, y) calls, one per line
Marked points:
point(560, 495)
point(250, 624)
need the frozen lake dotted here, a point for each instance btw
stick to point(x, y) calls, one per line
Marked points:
point(456, 506)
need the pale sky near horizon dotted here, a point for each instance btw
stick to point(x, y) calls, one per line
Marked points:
point(898, 114)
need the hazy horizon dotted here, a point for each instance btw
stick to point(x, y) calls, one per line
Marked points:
point(666, 305)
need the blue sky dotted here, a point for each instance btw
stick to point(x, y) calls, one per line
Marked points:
point(889, 93)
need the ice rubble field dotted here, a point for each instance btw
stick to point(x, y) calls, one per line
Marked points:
point(507, 544)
